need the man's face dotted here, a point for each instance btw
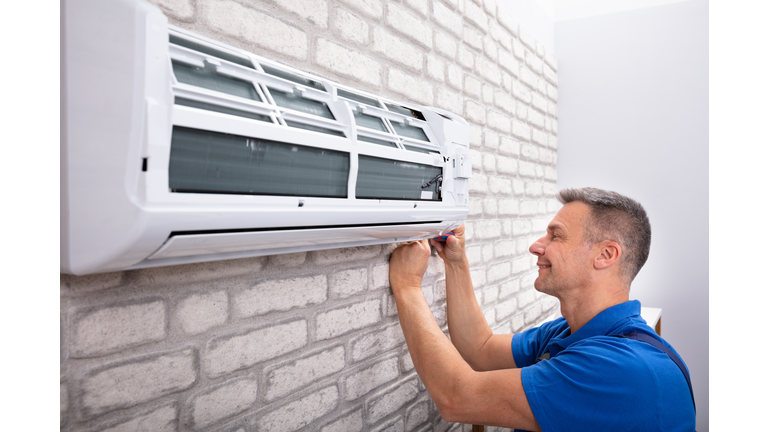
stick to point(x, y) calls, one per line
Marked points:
point(563, 256)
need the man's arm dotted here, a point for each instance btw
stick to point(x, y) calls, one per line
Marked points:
point(460, 393)
point(470, 333)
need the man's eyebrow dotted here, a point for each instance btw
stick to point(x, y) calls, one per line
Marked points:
point(554, 227)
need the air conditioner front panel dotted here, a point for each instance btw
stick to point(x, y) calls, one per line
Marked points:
point(178, 148)
point(203, 244)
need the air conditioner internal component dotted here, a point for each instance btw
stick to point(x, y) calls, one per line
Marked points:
point(178, 149)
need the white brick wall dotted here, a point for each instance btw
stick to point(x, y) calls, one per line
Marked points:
point(311, 340)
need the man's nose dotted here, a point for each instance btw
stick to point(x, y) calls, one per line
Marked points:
point(537, 248)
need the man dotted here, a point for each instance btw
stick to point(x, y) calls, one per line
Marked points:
point(576, 373)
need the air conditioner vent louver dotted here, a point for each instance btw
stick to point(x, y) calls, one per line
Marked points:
point(216, 153)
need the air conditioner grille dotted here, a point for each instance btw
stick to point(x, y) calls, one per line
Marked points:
point(211, 162)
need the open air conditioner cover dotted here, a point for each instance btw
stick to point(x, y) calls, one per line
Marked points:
point(179, 149)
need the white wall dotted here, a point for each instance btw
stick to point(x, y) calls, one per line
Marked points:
point(535, 16)
point(633, 117)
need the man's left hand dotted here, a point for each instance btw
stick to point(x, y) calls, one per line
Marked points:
point(408, 264)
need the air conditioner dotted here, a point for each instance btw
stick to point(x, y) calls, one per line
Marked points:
point(178, 149)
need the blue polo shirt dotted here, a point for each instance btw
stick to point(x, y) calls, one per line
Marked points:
point(595, 382)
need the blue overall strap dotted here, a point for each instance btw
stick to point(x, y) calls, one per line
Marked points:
point(642, 337)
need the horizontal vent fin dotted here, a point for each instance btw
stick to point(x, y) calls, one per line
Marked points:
point(248, 230)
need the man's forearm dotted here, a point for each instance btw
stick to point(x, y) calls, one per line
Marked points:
point(436, 360)
point(466, 322)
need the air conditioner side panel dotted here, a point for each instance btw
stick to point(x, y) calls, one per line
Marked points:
point(105, 92)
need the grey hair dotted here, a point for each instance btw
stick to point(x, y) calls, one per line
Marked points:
point(616, 218)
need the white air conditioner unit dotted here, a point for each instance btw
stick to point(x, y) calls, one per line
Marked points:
point(179, 149)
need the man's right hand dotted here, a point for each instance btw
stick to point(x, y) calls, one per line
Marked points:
point(452, 249)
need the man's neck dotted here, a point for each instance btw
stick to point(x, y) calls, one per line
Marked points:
point(579, 310)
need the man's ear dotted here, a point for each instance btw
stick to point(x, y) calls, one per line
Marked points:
point(609, 253)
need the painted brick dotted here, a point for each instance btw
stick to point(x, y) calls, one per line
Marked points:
point(300, 413)
point(455, 76)
point(281, 295)
point(508, 288)
point(487, 229)
point(288, 260)
point(489, 70)
point(354, 254)
point(392, 400)
point(504, 101)
point(528, 208)
point(163, 419)
point(522, 112)
point(490, 48)
point(409, 86)
point(365, 380)
point(416, 415)
point(379, 341)
point(505, 308)
point(397, 50)
point(446, 18)
point(499, 34)
point(472, 86)
point(350, 27)
point(521, 92)
point(285, 379)
point(506, 165)
point(137, 381)
point(533, 189)
point(508, 207)
point(489, 162)
point(315, 11)
point(509, 146)
point(350, 423)
point(504, 249)
point(448, 100)
point(552, 92)
point(476, 15)
point(473, 38)
point(436, 68)
point(498, 272)
point(491, 140)
point(533, 314)
point(223, 401)
point(536, 118)
point(499, 121)
point(230, 353)
point(490, 294)
point(201, 312)
point(475, 112)
point(505, 19)
point(466, 58)
point(233, 19)
point(539, 137)
point(518, 49)
point(393, 425)
point(179, 9)
point(527, 39)
point(530, 151)
point(371, 8)
point(349, 282)
point(343, 320)
point(500, 185)
point(490, 207)
point(528, 77)
point(550, 75)
point(550, 60)
point(402, 21)
point(116, 327)
point(445, 45)
point(540, 103)
point(381, 276)
point(521, 130)
point(348, 63)
point(533, 62)
point(420, 6)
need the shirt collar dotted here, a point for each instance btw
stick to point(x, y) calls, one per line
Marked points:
point(604, 323)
